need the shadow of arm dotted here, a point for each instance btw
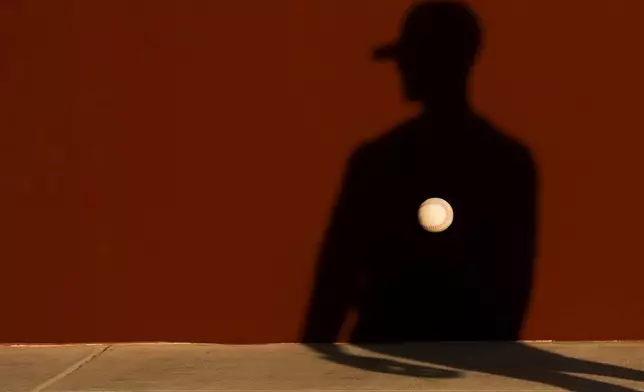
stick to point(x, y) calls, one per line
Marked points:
point(341, 256)
point(514, 247)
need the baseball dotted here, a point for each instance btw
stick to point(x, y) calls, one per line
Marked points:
point(435, 215)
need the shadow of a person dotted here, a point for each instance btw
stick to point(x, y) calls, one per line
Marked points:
point(471, 282)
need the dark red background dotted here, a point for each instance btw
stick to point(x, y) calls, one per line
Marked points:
point(168, 167)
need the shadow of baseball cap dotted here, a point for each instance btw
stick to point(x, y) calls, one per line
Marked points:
point(435, 28)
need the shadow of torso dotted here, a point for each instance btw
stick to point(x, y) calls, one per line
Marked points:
point(469, 282)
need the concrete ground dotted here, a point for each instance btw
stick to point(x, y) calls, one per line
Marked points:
point(289, 367)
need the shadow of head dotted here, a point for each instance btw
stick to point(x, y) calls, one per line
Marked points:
point(436, 49)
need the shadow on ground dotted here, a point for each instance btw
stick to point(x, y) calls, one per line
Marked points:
point(513, 360)
point(471, 282)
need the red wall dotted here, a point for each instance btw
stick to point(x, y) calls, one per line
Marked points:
point(168, 167)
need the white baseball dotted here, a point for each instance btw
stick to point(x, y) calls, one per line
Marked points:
point(435, 215)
